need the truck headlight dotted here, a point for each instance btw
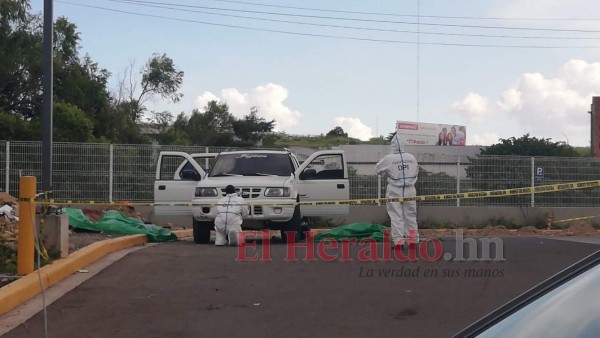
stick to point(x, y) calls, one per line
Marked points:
point(277, 192)
point(206, 192)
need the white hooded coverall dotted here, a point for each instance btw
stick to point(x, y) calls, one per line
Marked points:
point(402, 170)
point(230, 212)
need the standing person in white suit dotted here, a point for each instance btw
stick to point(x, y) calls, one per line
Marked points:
point(230, 212)
point(402, 170)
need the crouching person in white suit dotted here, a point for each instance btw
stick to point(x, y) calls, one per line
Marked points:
point(230, 212)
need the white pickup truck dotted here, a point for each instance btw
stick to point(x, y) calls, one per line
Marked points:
point(266, 179)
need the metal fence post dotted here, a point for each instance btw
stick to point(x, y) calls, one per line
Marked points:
point(458, 180)
point(110, 173)
point(7, 183)
point(206, 161)
point(532, 181)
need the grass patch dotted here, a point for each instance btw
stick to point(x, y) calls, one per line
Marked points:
point(8, 259)
point(429, 224)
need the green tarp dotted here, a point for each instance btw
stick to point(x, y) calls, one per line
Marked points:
point(115, 222)
point(354, 230)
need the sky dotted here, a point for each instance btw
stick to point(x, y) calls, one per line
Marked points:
point(363, 65)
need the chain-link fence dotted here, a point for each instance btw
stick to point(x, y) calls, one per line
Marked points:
point(105, 172)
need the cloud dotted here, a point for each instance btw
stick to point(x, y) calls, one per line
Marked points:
point(553, 106)
point(484, 139)
point(473, 106)
point(202, 100)
point(354, 127)
point(269, 99)
point(548, 9)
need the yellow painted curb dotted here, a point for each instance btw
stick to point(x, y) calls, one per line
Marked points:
point(181, 234)
point(27, 287)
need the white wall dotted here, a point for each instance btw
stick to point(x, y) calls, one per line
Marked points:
point(434, 159)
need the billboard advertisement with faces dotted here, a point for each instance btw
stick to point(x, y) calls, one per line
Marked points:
point(418, 133)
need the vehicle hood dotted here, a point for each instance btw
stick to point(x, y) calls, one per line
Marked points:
point(246, 181)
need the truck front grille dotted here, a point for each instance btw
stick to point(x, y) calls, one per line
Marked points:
point(246, 192)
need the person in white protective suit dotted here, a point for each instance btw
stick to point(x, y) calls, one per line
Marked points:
point(230, 212)
point(402, 170)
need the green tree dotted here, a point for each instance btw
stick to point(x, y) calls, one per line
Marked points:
point(337, 132)
point(20, 59)
point(80, 82)
point(530, 146)
point(390, 137)
point(211, 127)
point(161, 120)
point(251, 128)
point(159, 76)
point(15, 128)
point(71, 124)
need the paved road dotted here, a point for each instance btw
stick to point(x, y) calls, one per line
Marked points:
point(186, 290)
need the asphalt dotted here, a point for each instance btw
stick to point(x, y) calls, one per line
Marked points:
point(186, 290)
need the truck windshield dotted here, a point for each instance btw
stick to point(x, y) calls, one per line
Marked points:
point(254, 164)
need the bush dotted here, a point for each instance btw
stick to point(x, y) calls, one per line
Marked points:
point(8, 259)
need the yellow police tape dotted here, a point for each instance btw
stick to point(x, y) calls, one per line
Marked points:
point(438, 197)
point(574, 219)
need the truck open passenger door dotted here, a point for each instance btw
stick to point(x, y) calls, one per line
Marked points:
point(177, 175)
point(324, 177)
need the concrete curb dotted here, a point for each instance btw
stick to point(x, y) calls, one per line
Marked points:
point(181, 234)
point(28, 286)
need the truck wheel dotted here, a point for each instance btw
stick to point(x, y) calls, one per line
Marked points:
point(202, 231)
point(306, 225)
point(293, 226)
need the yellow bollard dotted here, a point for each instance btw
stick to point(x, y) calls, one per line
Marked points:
point(26, 238)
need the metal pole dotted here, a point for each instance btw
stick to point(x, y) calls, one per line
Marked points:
point(7, 167)
point(458, 180)
point(47, 98)
point(110, 175)
point(378, 182)
point(378, 189)
point(532, 181)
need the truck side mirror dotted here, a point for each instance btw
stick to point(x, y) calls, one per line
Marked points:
point(191, 175)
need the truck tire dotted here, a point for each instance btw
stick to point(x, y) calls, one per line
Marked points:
point(306, 225)
point(293, 226)
point(202, 231)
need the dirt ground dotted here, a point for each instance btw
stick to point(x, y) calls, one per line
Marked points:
point(78, 240)
point(6, 198)
point(576, 229)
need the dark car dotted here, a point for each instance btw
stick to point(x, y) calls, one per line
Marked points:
point(565, 305)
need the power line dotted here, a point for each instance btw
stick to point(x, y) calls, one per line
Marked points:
point(365, 20)
point(408, 15)
point(354, 27)
point(324, 35)
point(418, 59)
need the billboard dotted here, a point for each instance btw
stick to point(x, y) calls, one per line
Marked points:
point(417, 133)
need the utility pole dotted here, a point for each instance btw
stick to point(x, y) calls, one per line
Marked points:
point(47, 82)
